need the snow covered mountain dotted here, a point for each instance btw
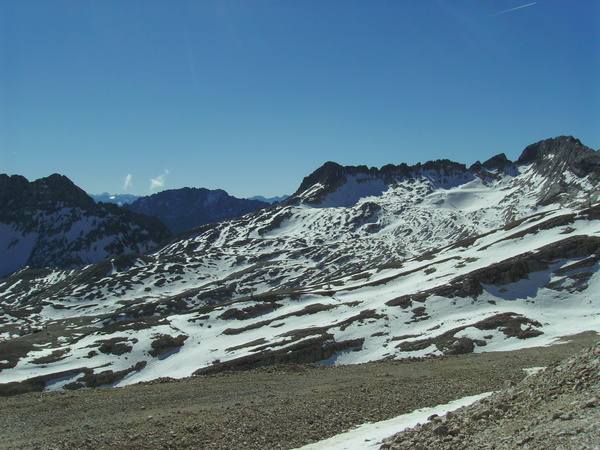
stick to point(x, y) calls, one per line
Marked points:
point(359, 264)
point(182, 209)
point(118, 199)
point(50, 222)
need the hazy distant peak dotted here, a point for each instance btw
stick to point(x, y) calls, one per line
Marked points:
point(187, 208)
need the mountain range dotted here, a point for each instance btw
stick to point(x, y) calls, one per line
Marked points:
point(119, 199)
point(360, 264)
point(50, 222)
point(183, 209)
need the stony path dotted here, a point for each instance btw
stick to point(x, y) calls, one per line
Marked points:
point(271, 408)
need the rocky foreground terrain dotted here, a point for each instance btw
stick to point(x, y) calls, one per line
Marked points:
point(558, 407)
point(288, 406)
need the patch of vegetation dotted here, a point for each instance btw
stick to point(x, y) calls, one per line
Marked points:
point(13, 350)
point(115, 346)
point(310, 309)
point(55, 356)
point(303, 352)
point(114, 325)
point(253, 326)
point(127, 260)
point(254, 343)
point(105, 377)
point(404, 337)
point(419, 313)
point(164, 343)
point(250, 311)
point(406, 301)
point(510, 324)
point(35, 384)
point(360, 276)
point(361, 317)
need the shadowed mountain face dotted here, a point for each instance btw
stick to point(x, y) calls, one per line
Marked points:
point(118, 199)
point(359, 265)
point(51, 222)
point(183, 209)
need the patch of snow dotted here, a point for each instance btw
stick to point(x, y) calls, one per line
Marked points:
point(355, 188)
point(370, 435)
point(533, 370)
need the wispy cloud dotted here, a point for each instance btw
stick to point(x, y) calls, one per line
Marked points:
point(159, 181)
point(512, 9)
point(128, 182)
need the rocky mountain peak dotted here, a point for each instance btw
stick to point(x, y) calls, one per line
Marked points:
point(442, 166)
point(60, 188)
point(566, 148)
point(17, 194)
point(499, 161)
point(551, 158)
point(10, 187)
point(330, 173)
point(332, 176)
point(559, 162)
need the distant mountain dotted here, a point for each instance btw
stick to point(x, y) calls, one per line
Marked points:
point(118, 199)
point(360, 264)
point(270, 200)
point(51, 222)
point(187, 208)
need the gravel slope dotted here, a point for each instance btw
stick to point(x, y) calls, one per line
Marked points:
point(557, 408)
point(280, 407)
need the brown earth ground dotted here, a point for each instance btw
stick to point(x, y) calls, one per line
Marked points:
point(269, 408)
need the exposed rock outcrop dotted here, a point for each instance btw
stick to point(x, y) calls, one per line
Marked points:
point(555, 408)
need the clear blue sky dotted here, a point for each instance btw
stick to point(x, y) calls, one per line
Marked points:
point(251, 96)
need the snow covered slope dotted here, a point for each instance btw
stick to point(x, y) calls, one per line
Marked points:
point(360, 264)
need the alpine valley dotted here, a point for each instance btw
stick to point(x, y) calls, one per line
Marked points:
point(360, 264)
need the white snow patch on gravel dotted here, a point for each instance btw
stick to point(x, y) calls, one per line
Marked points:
point(370, 435)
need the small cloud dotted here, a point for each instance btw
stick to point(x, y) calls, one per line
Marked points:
point(159, 181)
point(127, 183)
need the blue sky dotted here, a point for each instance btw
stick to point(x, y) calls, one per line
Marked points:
point(251, 96)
